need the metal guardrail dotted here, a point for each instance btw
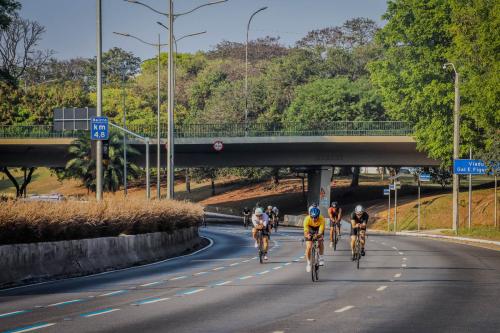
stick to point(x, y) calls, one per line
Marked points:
point(338, 128)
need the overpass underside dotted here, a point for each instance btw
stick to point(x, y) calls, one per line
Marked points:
point(241, 152)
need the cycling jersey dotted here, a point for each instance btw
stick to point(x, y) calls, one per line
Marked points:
point(317, 226)
point(334, 212)
point(246, 211)
point(256, 221)
point(363, 220)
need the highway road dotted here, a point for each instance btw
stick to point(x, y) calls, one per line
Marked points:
point(403, 285)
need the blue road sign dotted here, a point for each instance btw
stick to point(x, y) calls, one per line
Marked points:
point(386, 191)
point(469, 167)
point(99, 128)
point(392, 187)
point(425, 177)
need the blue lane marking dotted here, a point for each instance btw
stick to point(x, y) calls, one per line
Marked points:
point(14, 313)
point(29, 328)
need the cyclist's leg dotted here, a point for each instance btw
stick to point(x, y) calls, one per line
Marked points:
point(353, 240)
point(308, 250)
point(265, 239)
point(362, 238)
point(321, 247)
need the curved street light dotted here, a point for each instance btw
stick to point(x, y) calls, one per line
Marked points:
point(158, 150)
point(246, 66)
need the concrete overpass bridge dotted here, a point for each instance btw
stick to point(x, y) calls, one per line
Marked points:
point(318, 149)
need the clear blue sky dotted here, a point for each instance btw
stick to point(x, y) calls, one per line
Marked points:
point(71, 27)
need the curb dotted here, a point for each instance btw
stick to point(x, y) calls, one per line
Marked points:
point(462, 239)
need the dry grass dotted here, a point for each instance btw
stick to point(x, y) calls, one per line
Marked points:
point(25, 222)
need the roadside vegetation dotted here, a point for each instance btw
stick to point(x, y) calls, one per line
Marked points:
point(27, 222)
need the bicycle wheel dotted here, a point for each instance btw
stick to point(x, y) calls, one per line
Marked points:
point(313, 263)
point(261, 248)
point(358, 252)
point(335, 239)
point(316, 266)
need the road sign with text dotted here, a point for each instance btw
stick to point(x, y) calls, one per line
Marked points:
point(387, 191)
point(425, 177)
point(99, 128)
point(469, 167)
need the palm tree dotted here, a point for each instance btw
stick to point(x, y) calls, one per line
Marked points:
point(82, 166)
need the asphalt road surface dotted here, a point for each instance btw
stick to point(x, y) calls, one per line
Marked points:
point(403, 285)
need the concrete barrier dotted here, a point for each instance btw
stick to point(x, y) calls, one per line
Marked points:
point(35, 262)
point(293, 221)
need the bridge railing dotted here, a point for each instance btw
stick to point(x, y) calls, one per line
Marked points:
point(338, 128)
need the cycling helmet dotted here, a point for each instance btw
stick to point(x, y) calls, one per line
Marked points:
point(269, 207)
point(359, 209)
point(334, 204)
point(314, 212)
point(258, 211)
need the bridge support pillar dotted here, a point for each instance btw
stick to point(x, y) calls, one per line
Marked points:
point(318, 188)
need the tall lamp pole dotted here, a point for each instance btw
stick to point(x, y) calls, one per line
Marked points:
point(98, 168)
point(456, 144)
point(246, 66)
point(171, 88)
point(158, 137)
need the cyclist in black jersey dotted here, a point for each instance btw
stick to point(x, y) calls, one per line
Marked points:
point(359, 220)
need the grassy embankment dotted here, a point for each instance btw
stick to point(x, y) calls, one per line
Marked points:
point(25, 222)
point(436, 215)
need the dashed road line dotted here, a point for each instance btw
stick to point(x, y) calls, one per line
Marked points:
point(66, 302)
point(395, 248)
point(403, 265)
point(13, 313)
point(178, 278)
point(223, 283)
point(401, 253)
point(113, 293)
point(381, 288)
point(98, 313)
point(218, 268)
point(150, 284)
point(277, 267)
point(345, 308)
point(397, 275)
point(150, 301)
point(200, 273)
point(191, 292)
point(246, 277)
point(264, 272)
point(30, 328)
point(234, 264)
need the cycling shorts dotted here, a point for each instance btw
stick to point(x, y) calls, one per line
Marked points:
point(354, 231)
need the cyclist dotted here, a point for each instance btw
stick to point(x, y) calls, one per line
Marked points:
point(359, 220)
point(260, 221)
point(276, 217)
point(335, 214)
point(314, 224)
point(270, 213)
point(246, 216)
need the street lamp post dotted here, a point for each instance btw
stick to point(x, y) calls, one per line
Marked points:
point(246, 67)
point(171, 89)
point(124, 134)
point(158, 137)
point(456, 144)
point(99, 174)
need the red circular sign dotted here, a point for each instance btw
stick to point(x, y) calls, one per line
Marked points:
point(218, 145)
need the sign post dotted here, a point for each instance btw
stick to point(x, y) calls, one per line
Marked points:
point(387, 191)
point(470, 193)
point(422, 177)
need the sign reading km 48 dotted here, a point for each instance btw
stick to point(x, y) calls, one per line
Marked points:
point(99, 128)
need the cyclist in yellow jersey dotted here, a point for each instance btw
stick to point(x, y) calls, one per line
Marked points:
point(314, 224)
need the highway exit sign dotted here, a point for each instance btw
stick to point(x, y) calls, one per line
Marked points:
point(99, 128)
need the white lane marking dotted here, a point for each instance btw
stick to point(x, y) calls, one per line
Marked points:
point(8, 314)
point(381, 288)
point(178, 278)
point(278, 267)
point(403, 265)
point(113, 293)
point(200, 273)
point(401, 253)
point(31, 328)
point(65, 302)
point(246, 277)
point(218, 268)
point(254, 257)
point(395, 248)
point(193, 291)
point(262, 273)
point(246, 260)
point(223, 283)
point(288, 263)
point(345, 308)
point(278, 331)
point(302, 257)
point(98, 313)
point(397, 275)
point(150, 284)
point(234, 264)
point(404, 259)
point(384, 243)
point(156, 300)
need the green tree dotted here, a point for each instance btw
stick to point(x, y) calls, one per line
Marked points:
point(81, 166)
point(7, 10)
point(328, 100)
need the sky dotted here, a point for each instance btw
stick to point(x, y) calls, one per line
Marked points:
point(71, 24)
